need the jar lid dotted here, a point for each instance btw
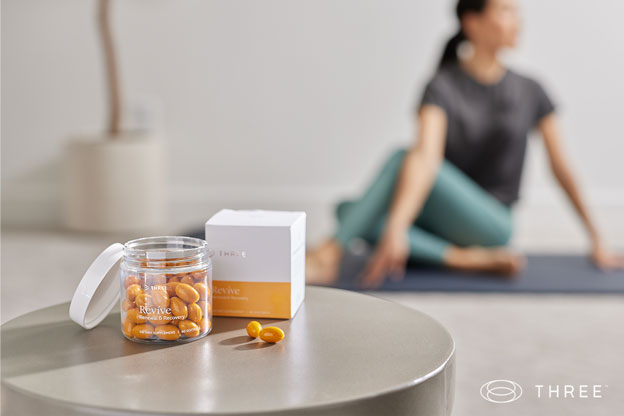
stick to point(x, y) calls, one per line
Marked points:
point(98, 291)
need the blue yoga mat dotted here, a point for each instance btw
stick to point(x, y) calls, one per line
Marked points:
point(543, 274)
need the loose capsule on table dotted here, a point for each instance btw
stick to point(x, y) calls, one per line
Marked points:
point(271, 334)
point(254, 328)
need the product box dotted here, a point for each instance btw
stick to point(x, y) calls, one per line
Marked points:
point(258, 261)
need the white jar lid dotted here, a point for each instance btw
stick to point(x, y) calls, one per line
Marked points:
point(98, 291)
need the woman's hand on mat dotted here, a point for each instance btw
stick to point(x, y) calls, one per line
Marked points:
point(389, 259)
point(605, 259)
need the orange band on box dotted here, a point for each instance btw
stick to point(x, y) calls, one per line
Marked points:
point(251, 299)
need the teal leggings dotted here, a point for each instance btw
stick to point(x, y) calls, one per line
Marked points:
point(457, 212)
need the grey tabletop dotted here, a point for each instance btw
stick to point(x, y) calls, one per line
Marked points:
point(343, 353)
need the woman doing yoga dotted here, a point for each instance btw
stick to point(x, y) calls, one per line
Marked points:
point(448, 198)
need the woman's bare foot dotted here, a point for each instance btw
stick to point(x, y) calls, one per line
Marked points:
point(497, 260)
point(322, 263)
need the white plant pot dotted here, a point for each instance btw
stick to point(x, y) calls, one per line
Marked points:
point(114, 184)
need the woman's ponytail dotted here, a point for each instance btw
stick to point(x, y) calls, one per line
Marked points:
point(463, 7)
point(450, 50)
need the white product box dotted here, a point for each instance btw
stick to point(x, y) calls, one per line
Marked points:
point(258, 262)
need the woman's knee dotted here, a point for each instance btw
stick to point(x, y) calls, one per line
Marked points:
point(341, 208)
point(502, 232)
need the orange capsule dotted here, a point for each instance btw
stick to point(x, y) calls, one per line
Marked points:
point(144, 331)
point(178, 308)
point(135, 316)
point(202, 290)
point(142, 300)
point(173, 278)
point(158, 316)
point(159, 298)
point(194, 312)
point(133, 291)
point(188, 279)
point(199, 275)
point(126, 304)
point(171, 288)
point(254, 328)
point(130, 280)
point(187, 293)
point(127, 327)
point(167, 332)
point(271, 334)
point(205, 307)
point(189, 328)
point(204, 325)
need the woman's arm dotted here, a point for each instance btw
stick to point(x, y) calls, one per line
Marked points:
point(562, 172)
point(416, 178)
point(419, 169)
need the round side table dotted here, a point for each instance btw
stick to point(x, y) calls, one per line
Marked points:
point(345, 353)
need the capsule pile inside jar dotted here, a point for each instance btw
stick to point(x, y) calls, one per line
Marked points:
point(166, 306)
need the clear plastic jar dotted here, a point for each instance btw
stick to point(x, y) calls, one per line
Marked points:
point(166, 290)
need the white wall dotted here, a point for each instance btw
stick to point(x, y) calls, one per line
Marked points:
point(288, 103)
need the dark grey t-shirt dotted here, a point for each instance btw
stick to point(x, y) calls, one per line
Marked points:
point(488, 125)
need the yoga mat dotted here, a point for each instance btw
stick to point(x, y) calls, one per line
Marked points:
point(543, 274)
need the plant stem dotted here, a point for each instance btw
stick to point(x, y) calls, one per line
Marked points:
point(112, 75)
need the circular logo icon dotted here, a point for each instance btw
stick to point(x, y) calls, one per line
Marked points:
point(501, 391)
